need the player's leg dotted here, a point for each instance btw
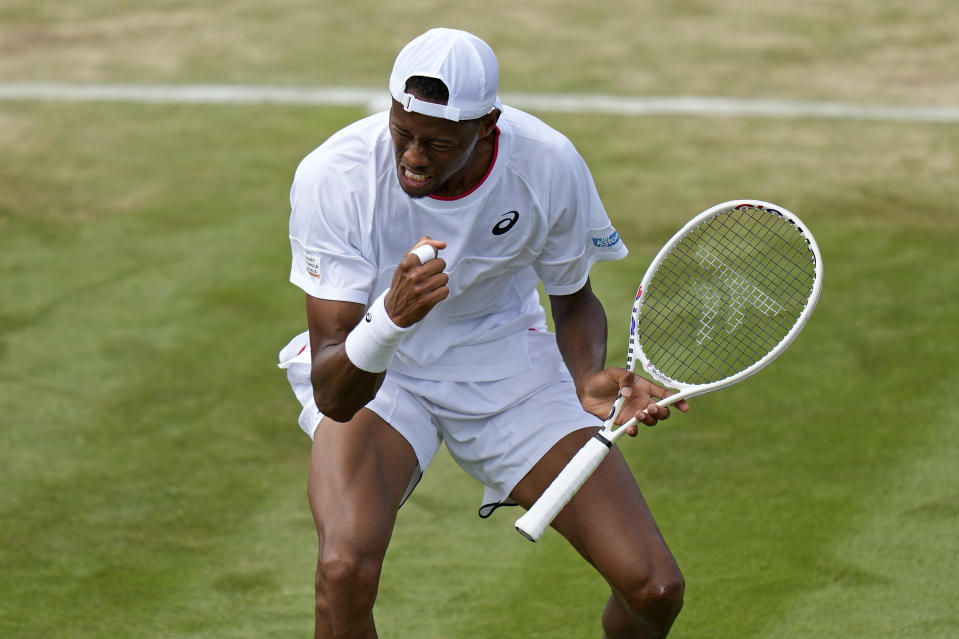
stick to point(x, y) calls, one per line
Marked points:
point(359, 473)
point(609, 523)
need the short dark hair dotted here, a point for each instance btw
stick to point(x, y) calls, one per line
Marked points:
point(429, 89)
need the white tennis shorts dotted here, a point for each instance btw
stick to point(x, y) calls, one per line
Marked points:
point(496, 431)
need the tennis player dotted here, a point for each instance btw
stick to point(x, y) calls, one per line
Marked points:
point(419, 235)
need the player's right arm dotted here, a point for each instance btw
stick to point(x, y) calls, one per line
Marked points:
point(340, 388)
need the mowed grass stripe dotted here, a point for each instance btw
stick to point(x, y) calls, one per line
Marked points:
point(877, 52)
point(908, 522)
point(140, 438)
point(129, 491)
point(900, 537)
point(852, 534)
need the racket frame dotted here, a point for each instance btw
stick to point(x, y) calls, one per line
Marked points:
point(690, 390)
point(535, 521)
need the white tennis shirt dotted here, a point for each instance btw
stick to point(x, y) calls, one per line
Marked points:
point(536, 216)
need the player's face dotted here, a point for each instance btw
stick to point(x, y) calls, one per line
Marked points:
point(436, 156)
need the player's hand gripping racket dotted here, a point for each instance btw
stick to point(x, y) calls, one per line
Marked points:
point(723, 298)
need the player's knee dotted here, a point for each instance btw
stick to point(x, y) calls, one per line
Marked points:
point(347, 574)
point(658, 599)
point(666, 595)
point(646, 609)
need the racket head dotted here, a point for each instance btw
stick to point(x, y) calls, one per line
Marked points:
point(724, 297)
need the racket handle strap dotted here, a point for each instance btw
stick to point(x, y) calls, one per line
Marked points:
point(577, 471)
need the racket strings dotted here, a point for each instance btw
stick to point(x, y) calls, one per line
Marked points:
point(725, 296)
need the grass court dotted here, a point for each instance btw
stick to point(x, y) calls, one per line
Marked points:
point(153, 476)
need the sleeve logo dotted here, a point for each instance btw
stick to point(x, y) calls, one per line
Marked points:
point(606, 242)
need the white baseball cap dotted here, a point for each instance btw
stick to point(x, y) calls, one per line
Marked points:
point(463, 62)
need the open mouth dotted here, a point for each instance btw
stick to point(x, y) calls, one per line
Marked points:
point(411, 180)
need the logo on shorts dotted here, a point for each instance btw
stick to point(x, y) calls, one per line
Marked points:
point(505, 224)
point(313, 265)
point(606, 242)
point(369, 317)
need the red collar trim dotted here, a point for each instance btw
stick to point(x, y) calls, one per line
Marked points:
point(483, 179)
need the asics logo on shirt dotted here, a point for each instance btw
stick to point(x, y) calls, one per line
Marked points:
point(505, 224)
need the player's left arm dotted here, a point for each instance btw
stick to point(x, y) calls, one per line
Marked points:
point(581, 333)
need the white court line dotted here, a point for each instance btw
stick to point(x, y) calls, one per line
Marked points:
point(377, 99)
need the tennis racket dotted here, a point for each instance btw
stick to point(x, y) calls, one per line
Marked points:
point(721, 300)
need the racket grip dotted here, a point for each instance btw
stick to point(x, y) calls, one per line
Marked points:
point(532, 524)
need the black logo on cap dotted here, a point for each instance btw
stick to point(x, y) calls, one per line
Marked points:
point(505, 224)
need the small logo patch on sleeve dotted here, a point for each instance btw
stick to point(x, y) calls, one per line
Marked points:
point(606, 242)
point(313, 265)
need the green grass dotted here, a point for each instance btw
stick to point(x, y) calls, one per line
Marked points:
point(854, 51)
point(153, 474)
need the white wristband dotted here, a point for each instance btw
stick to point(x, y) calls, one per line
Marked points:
point(372, 344)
